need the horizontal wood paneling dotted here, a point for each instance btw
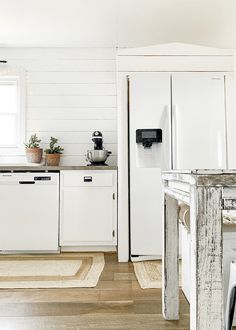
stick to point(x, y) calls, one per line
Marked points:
point(72, 65)
point(72, 89)
point(103, 101)
point(80, 149)
point(75, 136)
point(65, 160)
point(71, 125)
point(71, 113)
point(71, 92)
point(72, 77)
point(56, 53)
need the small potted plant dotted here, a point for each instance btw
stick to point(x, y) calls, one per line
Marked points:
point(32, 150)
point(53, 153)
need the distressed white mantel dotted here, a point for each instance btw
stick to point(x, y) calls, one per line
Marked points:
point(208, 193)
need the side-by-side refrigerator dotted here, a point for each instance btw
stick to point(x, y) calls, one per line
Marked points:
point(176, 121)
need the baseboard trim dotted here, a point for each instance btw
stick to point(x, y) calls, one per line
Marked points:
point(88, 249)
point(30, 251)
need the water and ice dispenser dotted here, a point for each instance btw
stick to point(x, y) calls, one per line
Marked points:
point(148, 147)
point(148, 136)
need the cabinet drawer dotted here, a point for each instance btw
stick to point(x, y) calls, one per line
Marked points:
point(87, 179)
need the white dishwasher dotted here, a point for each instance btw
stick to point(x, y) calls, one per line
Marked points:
point(29, 212)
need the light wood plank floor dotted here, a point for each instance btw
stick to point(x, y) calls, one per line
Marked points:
point(116, 303)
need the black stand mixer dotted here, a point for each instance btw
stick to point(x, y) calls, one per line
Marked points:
point(99, 154)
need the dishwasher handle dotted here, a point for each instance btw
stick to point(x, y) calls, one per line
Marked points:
point(26, 182)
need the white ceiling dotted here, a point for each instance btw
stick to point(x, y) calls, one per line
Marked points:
point(126, 23)
point(204, 22)
point(57, 22)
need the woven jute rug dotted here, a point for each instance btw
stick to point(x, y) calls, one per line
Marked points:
point(51, 271)
point(149, 274)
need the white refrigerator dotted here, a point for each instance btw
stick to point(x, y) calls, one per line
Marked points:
point(189, 109)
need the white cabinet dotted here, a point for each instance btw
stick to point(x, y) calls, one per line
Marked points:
point(88, 208)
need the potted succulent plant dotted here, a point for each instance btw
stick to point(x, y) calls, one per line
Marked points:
point(32, 150)
point(53, 153)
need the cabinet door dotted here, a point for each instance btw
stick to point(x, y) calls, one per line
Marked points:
point(87, 215)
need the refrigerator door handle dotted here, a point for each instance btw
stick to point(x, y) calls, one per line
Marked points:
point(169, 130)
point(174, 135)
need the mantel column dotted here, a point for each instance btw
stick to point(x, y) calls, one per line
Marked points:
point(170, 264)
point(206, 283)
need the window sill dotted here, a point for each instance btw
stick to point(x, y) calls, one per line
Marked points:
point(6, 152)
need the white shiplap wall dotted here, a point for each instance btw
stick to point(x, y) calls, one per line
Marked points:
point(70, 92)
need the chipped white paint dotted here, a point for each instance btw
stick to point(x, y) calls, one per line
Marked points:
point(177, 194)
point(170, 263)
point(206, 202)
point(206, 289)
point(216, 180)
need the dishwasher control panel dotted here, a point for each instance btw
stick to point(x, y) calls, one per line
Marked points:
point(42, 178)
point(36, 178)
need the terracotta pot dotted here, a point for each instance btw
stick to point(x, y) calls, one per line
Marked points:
point(34, 155)
point(52, 159)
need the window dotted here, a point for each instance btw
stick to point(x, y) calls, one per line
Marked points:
point(11, 115)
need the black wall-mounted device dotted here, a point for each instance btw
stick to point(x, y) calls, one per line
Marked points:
point(148, 136)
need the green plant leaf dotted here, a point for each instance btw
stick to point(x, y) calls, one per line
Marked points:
point(52, 148)
point(33, 142)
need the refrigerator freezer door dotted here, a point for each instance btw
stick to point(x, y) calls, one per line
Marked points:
point(198, 117)
point(149, 108)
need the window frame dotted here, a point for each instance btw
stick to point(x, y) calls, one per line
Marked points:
point(18, 148)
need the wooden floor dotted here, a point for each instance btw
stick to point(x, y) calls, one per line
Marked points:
point(116, 303)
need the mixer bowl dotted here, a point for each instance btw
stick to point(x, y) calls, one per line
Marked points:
point(97, 156)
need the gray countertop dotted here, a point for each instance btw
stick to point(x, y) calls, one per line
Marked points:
point(15, 167)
